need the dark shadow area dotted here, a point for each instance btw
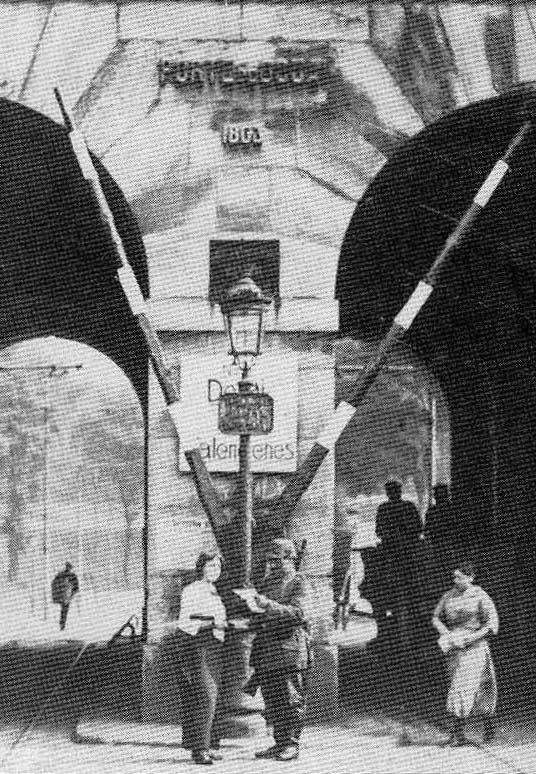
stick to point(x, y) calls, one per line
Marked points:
point(477, 333)
point(57, 265)
point(46, 686)
point(400, 678)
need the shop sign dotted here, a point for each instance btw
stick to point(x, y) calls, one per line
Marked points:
point(204, 380)
point(249, 413)
point(278, 74)
point(241, 136)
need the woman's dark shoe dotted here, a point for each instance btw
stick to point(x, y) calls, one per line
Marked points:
point(457, 737)
point(202, 757)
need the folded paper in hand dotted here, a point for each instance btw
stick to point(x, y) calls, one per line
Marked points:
point(248, 595)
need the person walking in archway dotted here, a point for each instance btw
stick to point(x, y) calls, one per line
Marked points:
point(64, 586)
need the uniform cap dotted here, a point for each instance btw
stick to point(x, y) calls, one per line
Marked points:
point(281, 548)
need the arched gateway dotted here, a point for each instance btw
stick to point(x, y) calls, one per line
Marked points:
point(58, 275)
point(477, 332)
point(57, 270)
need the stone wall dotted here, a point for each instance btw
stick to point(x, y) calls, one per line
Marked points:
point(385, 71)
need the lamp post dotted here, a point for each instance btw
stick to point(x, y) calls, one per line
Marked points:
point(249, 411)
point(245, 413)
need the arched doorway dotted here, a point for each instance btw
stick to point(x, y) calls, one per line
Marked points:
point(58, 267)
point(72, 455)
point(402, 432)
point(477, 332)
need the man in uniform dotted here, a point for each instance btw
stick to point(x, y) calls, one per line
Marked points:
point(281, 653)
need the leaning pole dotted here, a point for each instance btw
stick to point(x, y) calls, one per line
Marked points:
point(346, 410)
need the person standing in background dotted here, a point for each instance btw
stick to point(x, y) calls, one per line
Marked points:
point(440, 522)
point(64, 586)
point(399, 527)
point(465, 617)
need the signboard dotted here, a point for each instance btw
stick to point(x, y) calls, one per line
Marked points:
point(205, 379)
point(246, 413)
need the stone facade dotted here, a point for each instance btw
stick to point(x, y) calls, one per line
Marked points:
point(382, 72)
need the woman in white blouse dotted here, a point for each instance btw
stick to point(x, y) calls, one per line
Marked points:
point(201, 627)
point(465, 617)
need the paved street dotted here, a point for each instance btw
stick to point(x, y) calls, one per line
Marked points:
point(343, 748)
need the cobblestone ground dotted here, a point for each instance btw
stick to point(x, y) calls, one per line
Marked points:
point(376, 745)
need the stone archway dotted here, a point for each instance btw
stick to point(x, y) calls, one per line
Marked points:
point(57, 265)
point(476, 334)
point(57, 270)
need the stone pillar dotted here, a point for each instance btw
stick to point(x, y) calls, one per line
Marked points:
point(524, 18)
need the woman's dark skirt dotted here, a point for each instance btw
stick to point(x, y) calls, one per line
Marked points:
point(200, 663)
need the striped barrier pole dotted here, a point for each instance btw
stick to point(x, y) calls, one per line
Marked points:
point(207, 492)
point(125, 274)
point(346, 410)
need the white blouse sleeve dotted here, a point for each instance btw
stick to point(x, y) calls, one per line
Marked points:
point(201, 599)
point(439, 611)
point(488, 613)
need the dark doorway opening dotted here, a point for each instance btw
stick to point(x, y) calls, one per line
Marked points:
point(477, 334)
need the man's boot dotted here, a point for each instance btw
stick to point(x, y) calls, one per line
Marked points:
point(271, 752)
point(280, 742)
point(288, 753)
point(289, 749)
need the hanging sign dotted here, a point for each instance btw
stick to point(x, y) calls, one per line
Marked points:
point(246, 413)
point(204, 380)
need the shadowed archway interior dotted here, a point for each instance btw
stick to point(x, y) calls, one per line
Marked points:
point(477, 332)
point(57, 266)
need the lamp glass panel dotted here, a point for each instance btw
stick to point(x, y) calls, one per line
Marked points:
point(244, 329)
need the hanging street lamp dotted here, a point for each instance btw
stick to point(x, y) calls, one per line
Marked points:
point(243, 308)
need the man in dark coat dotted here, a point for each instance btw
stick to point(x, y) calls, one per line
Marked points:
point(281, 652)
point(64, 587)
point(399, 526)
